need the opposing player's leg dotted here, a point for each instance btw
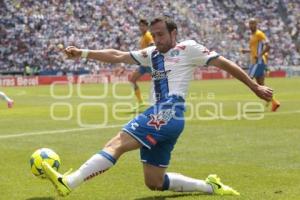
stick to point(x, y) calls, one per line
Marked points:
point(9, 101)
point(257, 71)
point(275, 104)
point(134, 78)
point(97, 164)
point(260, 80)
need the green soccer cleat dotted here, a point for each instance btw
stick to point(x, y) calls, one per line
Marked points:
point(218, 187)
point(57, 179)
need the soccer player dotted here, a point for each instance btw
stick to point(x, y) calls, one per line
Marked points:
point(259, 48)
point(145, 41)
point(155, 131)
point(9, 101)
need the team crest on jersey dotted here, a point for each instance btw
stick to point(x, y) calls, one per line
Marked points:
point(159, 74)
point(161, 119)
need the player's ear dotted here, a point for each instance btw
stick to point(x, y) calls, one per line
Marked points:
point(174, 33)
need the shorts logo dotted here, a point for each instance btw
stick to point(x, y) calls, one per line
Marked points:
point(161, 119)
point(151, 139)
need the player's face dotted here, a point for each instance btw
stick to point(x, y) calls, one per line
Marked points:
point(252, 26)
point(143, 28)
point(163, 39)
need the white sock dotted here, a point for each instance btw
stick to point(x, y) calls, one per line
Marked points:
point(4, 96)
point(96, 165)
point(180, 183)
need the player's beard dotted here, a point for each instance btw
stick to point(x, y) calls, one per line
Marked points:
point(164, 48)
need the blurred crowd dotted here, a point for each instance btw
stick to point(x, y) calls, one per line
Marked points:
point(33, 33)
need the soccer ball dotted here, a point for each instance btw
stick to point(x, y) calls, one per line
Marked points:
point(40, 155)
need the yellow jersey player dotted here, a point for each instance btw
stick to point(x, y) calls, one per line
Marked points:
point(259, 48)
point(145, 41)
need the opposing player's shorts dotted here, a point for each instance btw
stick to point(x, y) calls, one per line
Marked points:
point(143, 70)
point(257, 70)
point(157, 129)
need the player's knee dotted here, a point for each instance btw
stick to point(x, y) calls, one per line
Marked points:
point(133, 79)
point(154, 186)
point(116, 145)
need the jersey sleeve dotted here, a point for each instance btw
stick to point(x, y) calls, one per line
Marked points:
point(199, 55)
point(143, 57)
point(261, 36)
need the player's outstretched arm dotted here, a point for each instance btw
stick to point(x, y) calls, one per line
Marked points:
point(263, 92)
point(105, 55)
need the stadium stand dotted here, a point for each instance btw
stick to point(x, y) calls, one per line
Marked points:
point(33, 32)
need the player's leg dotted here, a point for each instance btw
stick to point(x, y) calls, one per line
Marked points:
point(102, 161)
point(260, 79)
point(275, 102)
point(134, 78)
point(156, 178)
point(97, 164)
point(9, 101)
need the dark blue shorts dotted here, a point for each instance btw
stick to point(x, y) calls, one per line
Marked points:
point(143, 70)
point(257, 70)
point(157, 129)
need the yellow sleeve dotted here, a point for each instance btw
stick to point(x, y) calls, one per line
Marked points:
point(261, 36)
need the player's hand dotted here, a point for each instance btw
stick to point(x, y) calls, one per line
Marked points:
point(73, 52)
point(264, 92)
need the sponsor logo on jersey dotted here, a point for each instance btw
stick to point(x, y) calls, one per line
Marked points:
point(159, 74)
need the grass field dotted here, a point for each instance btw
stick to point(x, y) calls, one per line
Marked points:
point(259, 158)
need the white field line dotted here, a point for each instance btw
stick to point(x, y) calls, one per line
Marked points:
point(58, 131)
point(282, 113)
point(104, 127)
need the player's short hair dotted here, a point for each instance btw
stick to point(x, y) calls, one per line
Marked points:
point(253, 19)
point(144, 21)
point(171, 25)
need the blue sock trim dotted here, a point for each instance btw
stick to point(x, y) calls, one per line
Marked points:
point(166, 184)
point(108, 156)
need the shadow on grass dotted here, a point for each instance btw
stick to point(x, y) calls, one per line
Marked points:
point(41, 198)
point(170, 196)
